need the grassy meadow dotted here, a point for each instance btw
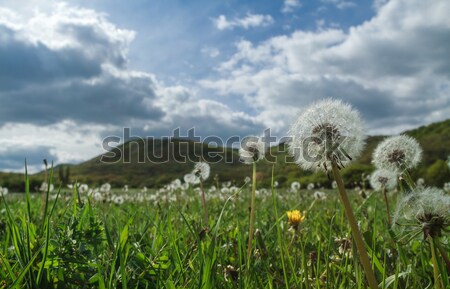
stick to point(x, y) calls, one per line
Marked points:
point(157, 239)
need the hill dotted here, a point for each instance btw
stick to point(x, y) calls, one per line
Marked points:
point(156, 162)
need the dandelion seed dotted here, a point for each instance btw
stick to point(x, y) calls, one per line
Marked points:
point(397, 153)
point(295, 217)
point(252, 150)
point(247, 180)
point(310, 186)
point(383, 179)
point(328, 131)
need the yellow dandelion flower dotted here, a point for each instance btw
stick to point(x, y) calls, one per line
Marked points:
point(295, 217)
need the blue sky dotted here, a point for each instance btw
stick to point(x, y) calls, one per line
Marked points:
point(72, 73)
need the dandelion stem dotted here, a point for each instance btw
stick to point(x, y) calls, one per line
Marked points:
point(407, 177)
point(205, 210)
point(252, 214)
point(280, 240)
point(437, 284)
point(364, 257)
point(388, 213)
point(443, 253)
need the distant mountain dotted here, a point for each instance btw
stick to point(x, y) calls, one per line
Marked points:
point(156, 162)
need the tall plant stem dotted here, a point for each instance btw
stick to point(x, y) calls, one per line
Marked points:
point(205, 209)
point(388, 213)
point(363, 256)
point(444, 255)
point(252, 214)
point(437, 283)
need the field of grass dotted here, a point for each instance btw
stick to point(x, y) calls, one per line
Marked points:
point(159, 240)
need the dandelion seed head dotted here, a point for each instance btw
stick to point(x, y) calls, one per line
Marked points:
point(105, 188)
point(334, 184)
point(45, 187)
point(252, 150)
point(295, 186)
point(191, 179)
point(328, 131)
point(118, 200)
point(383, 178)
point(83, 188)
point(318, 195)
point(202, 170)
point(3, 191)
point(429, 209)
point(397, 153)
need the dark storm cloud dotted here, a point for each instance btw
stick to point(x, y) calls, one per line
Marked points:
point(23, 64)
point(43, 85)
point(110, 101)
point(14, 158)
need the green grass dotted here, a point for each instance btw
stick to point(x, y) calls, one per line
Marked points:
point(70, 241)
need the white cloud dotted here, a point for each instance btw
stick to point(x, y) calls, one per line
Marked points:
point(394, 68)
point(290, 5)
point(377, 4)
point(249, 21)
point(341, 4)
point(211, 51)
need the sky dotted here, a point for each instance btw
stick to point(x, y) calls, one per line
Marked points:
point(75, 72)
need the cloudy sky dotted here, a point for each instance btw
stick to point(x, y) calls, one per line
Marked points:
point(74, 72)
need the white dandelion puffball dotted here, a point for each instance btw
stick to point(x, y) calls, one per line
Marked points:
point(318, 195)
point(328, 131)
point(202, 170)
point(397, 153)
point(428, 208)
point(252, 150)
point(83, 188)
point(45, 187)
point(295, 186)
point(105, 188)
point(3, 191)
point(191, 179)
point(334, 185)
point(119, 200)
point(383, 178)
